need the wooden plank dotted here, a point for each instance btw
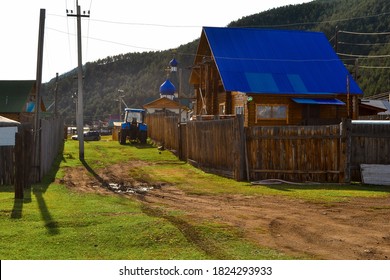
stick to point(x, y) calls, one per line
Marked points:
point(375, 174)
point(297, 171)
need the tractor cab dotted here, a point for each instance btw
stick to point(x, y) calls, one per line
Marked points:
point(134, 115)
point(133, 127)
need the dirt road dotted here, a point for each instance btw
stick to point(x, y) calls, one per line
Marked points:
point(355, 229)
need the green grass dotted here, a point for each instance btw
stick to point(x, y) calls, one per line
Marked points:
point(53, 222)
point(198, 182)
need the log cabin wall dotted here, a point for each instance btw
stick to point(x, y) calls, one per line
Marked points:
point(297, 114)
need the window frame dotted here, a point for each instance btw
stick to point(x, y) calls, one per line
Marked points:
point(271, 110)
point(241, 110)
point(222, 108)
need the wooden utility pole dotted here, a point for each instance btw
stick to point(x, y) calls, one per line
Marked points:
point(37, 127)
point(56, 97)
point(80, 106)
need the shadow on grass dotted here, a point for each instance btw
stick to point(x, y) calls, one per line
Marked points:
point(93, 173)
point(18, 204)
point(38, 190)
point(139, 145)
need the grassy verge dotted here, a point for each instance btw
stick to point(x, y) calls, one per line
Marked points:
point(53, 222)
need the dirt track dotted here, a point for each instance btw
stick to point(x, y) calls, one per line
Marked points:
point(356, 229)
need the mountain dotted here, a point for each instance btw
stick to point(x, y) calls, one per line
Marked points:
point(345, 23)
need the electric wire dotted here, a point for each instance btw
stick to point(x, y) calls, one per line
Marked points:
point(87, 44)
point(361, 56)
point(68, 33)
point(364, 33)
point(193, 26)
point(325, 21)
point(268, 25)
point(346, 57)
point(103, 40)
point(362, 44)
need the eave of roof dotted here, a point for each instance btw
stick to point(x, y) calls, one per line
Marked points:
point(164, 102)
point(6, 122)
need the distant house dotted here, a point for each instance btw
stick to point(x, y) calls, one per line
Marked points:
point(370, 107)
point(168, 102)
point(272, 77)
point(17, 100)
point(164, 104)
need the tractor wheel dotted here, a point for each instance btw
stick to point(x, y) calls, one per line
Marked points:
point(122, 137)
point(143, 136)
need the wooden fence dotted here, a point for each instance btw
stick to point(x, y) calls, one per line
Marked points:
point(163, 128)
point(52, 141)
point(15, 161)
point(23, 159)
point(298, 153)
point(7, 165)
point(16, 164)
point(329, 153)
point(217, 146)
point(370, 144)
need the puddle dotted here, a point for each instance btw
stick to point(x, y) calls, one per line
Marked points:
point(139, 188)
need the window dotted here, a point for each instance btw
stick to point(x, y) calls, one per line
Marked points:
point(239, 110)
point(271, 112)
point(222, 108)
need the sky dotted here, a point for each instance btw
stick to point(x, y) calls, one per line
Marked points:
point(114, 27)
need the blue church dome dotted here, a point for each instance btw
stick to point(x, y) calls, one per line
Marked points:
point(173, 62)
point(167, 88)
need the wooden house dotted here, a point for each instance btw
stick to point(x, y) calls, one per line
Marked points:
point(369, 107)
point(164, 104)
point(273, 77)
point(17, 100)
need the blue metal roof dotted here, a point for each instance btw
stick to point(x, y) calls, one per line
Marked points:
point(255, 60)
point(318, 101)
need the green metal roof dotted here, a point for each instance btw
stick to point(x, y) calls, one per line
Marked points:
point(14, 94)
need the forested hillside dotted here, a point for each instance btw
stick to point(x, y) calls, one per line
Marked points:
point(358, 30)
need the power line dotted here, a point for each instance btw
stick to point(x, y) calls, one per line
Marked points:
point(87, 44)
point(68, 33)
point(138, 23)
point(106, 41)
point(374, 67)
point(364, 33)
point(325, 21)
point(363, 56)
point(270, 25)
point(362, 44)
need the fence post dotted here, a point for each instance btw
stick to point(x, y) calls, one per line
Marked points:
point(19, 164)
point(239, 153)
point(345, 151)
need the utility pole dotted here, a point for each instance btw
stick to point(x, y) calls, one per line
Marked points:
point(56, 97)
point(120, 100)
point(37, 127)
point(80, 106)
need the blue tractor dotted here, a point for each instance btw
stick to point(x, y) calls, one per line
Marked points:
point(133, 127)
